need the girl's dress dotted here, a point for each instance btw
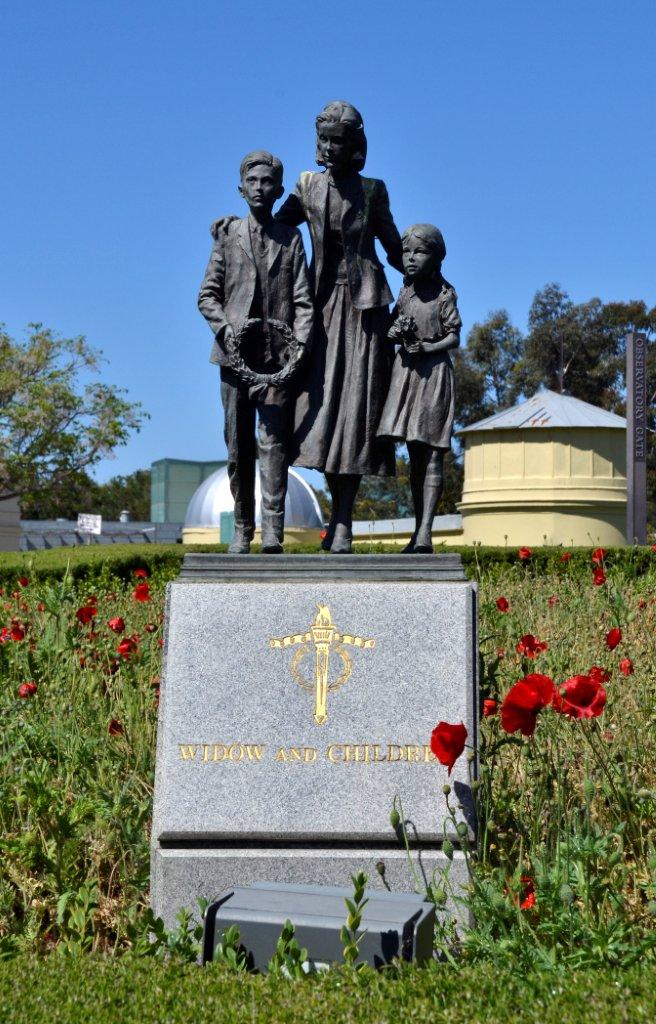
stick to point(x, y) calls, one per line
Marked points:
point(420, 404)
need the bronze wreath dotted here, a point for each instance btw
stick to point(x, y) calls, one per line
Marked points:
point(252, 377)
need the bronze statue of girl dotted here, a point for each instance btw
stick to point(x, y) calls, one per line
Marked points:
point(420, 404)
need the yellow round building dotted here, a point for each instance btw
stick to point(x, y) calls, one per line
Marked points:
point(551, 470)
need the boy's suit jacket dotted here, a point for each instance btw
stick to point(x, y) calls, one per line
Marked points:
point(366, 216)
point(228, 288)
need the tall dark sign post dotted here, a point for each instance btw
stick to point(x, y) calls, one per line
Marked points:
point(636, 438)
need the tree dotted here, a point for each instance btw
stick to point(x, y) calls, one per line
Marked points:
point(54, 424)
point(493, 349)
point(83, 494)
point(126, 492)
point(578, 349)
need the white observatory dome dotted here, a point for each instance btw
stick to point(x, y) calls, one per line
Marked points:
point(213, 497)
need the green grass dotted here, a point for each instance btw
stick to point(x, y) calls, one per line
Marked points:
point(63, 990)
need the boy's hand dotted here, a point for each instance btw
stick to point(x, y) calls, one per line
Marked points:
point(228, 338)
point(221, 226)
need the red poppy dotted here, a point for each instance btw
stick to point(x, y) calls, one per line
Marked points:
point(581, 697)
point(448, 742)
point(566, 555)
point(503, 604)
point(626, 667)
point(114, 728)
point(598, 556)
point(598, 577)
point(613, 637)
point(599, 675)
point(141, 592)
point(127, 646)
point(524, 701)
point(323, 534)
point(530, 646)
point(5, 635)
point(160, 642)
point(653, 547)
point(524, 554)
point(26, 690)
point(642, 603)
point(117, 625)
point(85, 614)
point(41, 607)
point(17, 632)
point(489, 707)
point(551, 601)
point(150, 627)
point(501, 653)
point(528, 893)
point(141, 574)
point(23, 580)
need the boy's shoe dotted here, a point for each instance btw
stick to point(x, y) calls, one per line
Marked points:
point(240, 544)
point(272, 535)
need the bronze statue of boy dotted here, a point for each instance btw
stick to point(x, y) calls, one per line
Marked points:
point(257, 272)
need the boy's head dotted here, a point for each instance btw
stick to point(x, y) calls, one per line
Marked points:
point(260, 176)
point(423, 251)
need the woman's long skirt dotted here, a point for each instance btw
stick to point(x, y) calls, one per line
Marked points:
point(344, 389)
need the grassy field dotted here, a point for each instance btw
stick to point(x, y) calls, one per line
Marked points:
point(62, 990)
point(565, 872)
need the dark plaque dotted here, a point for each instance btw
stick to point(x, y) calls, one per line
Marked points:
point(636, 438)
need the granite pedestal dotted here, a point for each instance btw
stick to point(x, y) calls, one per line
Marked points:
point(298, 698)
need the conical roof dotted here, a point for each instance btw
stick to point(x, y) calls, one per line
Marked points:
point(549, 409)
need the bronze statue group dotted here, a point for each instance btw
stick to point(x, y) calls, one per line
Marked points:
point(314, 357)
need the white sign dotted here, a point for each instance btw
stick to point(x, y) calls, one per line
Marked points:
point(89, 524)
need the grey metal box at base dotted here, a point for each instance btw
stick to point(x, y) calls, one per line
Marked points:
point(394, 925)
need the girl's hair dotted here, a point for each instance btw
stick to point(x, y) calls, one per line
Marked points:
point(343, 116)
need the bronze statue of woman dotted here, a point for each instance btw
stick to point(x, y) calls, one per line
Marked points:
point(348, 368)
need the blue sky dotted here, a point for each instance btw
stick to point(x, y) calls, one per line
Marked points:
point(525, 130)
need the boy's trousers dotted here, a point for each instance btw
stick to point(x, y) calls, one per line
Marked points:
point(273, 408)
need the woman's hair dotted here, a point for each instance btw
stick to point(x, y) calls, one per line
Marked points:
point(344, 117)
point(431, 236)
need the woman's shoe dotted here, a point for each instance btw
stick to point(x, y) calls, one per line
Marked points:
point(342, 542)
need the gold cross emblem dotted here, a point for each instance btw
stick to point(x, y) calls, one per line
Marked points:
point(324, 637)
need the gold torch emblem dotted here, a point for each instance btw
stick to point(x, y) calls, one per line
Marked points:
point(324, 637)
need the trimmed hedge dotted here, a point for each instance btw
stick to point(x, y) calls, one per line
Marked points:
point(121, 560)
point(66, 990)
